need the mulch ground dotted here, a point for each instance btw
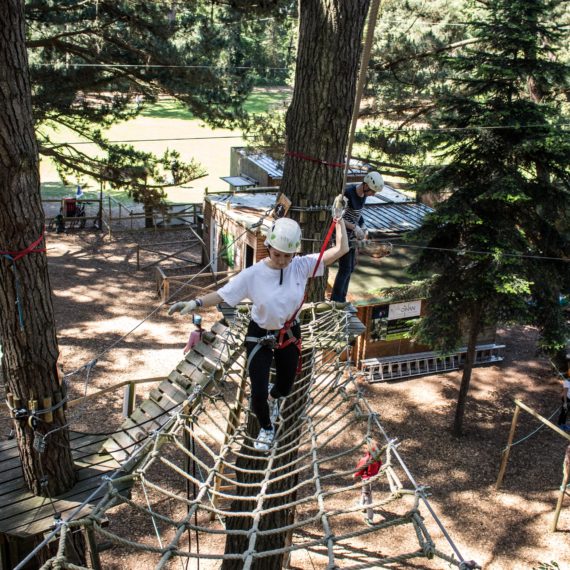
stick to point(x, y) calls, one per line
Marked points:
point(99, 297)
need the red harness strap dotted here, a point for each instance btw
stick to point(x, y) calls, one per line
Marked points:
point(286, 329)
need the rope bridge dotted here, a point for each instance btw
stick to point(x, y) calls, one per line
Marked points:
point(203, 497)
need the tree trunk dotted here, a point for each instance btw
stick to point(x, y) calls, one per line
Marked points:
point(318, 121)
point(274, 520)
point(27, 326)
point(319, 117)
point(474, 329)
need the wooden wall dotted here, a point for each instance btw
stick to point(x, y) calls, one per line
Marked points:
point(367, 348)
point(252, 238)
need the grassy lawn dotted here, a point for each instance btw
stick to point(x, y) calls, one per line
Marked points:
point(167, 124)
point(260, 101)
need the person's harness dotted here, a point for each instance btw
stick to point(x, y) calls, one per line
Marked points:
point(285, 336)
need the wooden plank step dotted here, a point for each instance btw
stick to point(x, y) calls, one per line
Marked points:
point(184, 382)
point(219, 328)
point(146, 421)
point(171, 388)
point(215, 355)
point(193, 357)
point(188, 369)
point(160, 414)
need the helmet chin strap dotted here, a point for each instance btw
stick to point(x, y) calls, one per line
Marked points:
point(281, 278)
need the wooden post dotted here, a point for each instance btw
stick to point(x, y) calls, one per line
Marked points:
point(507, 450)
point(46, 405)
point(303, 214)
point(92, 549)
point(521, 405)
point(129, 399)
point(165, 290)
point(110, 225)
point(323, 214)
point(565, 477)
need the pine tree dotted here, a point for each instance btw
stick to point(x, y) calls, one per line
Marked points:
point(318, 121)
point(97, 63)
point(27, 326)
point(503, 162)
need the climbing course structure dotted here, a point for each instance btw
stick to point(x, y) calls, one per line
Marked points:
point(202, 497)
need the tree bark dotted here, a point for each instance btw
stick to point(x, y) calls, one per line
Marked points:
point(317, 126)
point(27, 326)
point(474, 329)
point(318, 119)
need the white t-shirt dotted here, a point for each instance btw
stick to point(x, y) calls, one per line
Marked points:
point(566, 384)
point(273, 304)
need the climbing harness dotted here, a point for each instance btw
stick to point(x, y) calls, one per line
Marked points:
point(279, 342)
point(273, 340)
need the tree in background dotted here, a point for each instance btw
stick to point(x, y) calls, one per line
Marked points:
point(403, 75)
point(497, 246)
point(94, 64)
point(317, 127)
point(27, 326)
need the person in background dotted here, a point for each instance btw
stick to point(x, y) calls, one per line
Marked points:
point(276, 286)
point(368, 466)
point(196, 335)
point(356, 195)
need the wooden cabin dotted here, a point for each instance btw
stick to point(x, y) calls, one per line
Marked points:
point(258, 169)
point(229, 221)
point(384, 351)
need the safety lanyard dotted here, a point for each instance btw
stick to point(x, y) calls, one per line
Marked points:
point(290, 321)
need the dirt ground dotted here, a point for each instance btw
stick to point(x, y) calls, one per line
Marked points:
point(99, 297)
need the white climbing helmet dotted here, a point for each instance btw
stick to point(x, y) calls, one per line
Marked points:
point(284, 235)
point(374, 181)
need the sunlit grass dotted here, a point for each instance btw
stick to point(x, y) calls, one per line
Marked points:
point(167, 124)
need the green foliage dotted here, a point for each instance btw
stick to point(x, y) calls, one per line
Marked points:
point(94, 64)
point(405, 71)
point(547, 566)
point(503, 162)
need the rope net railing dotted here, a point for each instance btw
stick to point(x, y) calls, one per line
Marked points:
point(203, 497)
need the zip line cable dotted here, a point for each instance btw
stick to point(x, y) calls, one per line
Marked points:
point(74, 143)
point(64, 64)
point(474, 252)
point(379, 129)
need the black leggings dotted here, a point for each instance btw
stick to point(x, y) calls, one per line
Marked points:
point(286, 360)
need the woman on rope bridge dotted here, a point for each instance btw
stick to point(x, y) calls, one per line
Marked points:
point(276, 287)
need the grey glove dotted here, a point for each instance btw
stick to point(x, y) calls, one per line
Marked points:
point(183, 308)
point(339, 206)
point(359, 233)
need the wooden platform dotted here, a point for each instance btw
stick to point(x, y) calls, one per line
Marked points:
point(25, 515)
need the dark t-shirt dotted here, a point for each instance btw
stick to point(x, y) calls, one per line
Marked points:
point(353, 211)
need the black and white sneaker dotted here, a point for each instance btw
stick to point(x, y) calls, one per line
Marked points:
point(273, 404)
point(265, 439)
